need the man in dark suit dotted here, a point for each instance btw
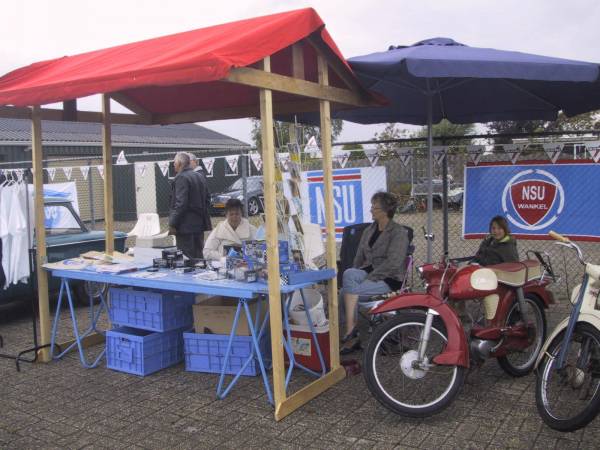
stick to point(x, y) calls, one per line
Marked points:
point(189, 217)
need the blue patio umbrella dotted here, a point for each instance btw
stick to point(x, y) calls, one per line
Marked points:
point(439, 79)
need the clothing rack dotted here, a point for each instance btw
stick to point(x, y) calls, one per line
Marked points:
point(20, 356)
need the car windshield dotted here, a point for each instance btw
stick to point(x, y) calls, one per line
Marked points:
point(252, 184)
point(60, 220)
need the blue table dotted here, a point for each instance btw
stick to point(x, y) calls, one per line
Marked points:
point(244, 292)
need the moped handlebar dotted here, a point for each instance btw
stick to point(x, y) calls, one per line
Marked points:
point(562, 240)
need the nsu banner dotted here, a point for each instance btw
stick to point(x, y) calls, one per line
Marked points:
point(352, 192)
point(535, 198)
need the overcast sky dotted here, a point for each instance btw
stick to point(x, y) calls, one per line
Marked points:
point(35, 30)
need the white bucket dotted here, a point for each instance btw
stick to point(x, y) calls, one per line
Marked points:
point(314, 300)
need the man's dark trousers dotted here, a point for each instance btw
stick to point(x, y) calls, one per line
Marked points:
point(191, 244)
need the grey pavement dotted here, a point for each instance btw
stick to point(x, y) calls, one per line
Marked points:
point(64, 406)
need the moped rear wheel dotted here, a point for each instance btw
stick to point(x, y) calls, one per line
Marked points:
point(569, 398)
point(394, 380)
point(520, 363)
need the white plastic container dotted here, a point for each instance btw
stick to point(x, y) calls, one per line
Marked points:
point(315, 307)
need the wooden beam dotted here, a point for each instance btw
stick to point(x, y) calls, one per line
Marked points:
point(108, 179)
point(88, 341)
point(336, 64)
point(307, 393)
point(298, 73)
point(283, 108)
point(131, 105)
point(40, 231)
point(13, 112)
point(268, 157)
point(332, 294)
point(261, 79)
point(70, 110)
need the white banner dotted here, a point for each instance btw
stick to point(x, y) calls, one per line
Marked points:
point(513, 150)
point(232, 162)
point(51, 172)
point(209, 165)
point(372, 155)
point(164, 167)
point(121, 160)
point(256, 160)
point(475, 153)
point(59, 216)
point(593, 148)
point(85, 170)
point(312, 148)
point(68, 171)
point(553, 150)
point(439, 153)
point(141, 168)
point(341, 157)
point(405, 154)
point(100, 170)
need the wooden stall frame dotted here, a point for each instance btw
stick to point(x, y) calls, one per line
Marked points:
point(319, 94)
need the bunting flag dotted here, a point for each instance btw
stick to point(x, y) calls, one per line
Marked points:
point(405, 154)
point(341, 157)
point(68, 171)
point(85, 170)
point(141, 169)
point(513, 150)
point(475, 153)
point(372, 155)
point(164, 167)
point(593, 148)
point(51, 172)
point(100, 170)
point(284, 159)
point(439, 153)
point(209, 165)
point(553, 150)
point(256, 160)
point(121, 160)
point(312, 148)
point(232, 162)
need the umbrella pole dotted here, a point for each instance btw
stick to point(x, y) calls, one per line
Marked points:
point(429, 236)
point(445, 202)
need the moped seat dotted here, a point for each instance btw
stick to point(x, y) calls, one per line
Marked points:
point(517, 274)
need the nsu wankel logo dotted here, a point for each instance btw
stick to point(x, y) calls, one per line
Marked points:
point(533, 199)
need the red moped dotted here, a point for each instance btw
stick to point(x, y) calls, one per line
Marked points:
point(416, 361)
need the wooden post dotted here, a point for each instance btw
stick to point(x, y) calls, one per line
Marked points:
point(268, 157)
point(332, 295)
point(298, 73)
point(40, 231)
point(108, 179)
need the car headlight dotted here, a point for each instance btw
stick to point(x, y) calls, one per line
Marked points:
point(240, 197)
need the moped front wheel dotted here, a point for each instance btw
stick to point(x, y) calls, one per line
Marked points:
point(396, 377)
point(569, 398)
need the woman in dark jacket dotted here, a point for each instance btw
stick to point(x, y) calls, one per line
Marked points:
point(379, 264)
point(499, 246)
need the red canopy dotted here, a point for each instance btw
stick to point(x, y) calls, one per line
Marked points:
point(176, 73)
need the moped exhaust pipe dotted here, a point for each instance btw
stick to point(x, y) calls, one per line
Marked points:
point(481, 348)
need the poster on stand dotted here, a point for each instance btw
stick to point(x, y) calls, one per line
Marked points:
point(535, 198)
point(59, 216)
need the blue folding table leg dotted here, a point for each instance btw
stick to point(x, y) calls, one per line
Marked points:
point(65, 287)
point(256, 338)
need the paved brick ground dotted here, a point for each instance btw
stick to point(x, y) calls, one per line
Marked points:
point(61, 405)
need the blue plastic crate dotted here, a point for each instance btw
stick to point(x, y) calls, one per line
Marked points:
point(143, 352)
point(150, 310)
point(206, 353)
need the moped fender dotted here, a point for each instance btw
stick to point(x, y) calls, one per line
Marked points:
point(456, 352)
point(540, 290)
point(592, 319)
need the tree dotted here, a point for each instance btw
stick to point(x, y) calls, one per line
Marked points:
point(512, 126)
point(282, 132)
point(581, 122)
point(447, 128)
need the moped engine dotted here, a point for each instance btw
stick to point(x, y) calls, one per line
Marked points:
point(481, 348)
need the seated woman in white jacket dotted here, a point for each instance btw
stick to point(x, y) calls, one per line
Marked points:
point(232, 231)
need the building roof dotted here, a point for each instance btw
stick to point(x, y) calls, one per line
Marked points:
point(18, 132)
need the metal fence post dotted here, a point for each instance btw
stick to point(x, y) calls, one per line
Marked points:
point(91, 195)
point(244, 158)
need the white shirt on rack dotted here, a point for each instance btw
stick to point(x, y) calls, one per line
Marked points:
point(5, 214)
point(20, 242)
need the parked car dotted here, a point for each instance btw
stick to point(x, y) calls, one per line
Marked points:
point(62, 243)
point(254, 189)
point(455, 193)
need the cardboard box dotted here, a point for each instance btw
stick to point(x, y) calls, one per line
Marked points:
point(217, 313)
